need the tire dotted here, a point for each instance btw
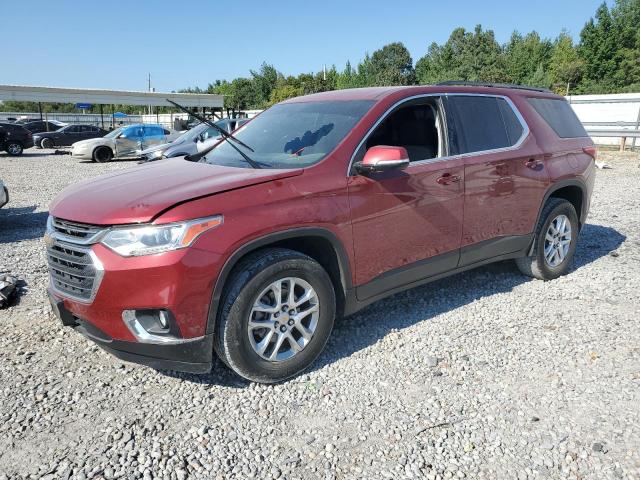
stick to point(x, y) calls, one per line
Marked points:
point(46, 143)
point(538, 265)
point(238, 346)
point(102, 155)
point(14, 148)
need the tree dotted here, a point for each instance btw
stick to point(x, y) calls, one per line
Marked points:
point(565, 66)
point(474, 56)
point(527, 59)
point(392, 65)
point(597, 49)
point(265, 81)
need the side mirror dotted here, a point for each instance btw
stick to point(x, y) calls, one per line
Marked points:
point(382, 158)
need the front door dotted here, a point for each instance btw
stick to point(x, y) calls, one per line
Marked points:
point(407, 224)
point(129, 141)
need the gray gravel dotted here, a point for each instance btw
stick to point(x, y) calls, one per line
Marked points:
point(487, 374)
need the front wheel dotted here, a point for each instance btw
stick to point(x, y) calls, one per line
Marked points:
point(46, 143)
point(277, 314)
point(555, 241)
point(14, 149)
point(102, 154)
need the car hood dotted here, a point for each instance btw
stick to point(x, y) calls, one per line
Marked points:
point(140, 193)
point(92, 142)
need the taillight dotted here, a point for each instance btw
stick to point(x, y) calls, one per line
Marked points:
point(591, 151)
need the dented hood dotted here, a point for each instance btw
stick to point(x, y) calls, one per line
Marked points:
point(139, 194)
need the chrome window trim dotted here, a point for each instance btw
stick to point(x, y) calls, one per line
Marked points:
point(515, 146)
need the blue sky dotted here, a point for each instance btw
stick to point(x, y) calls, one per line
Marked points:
point(115, 43)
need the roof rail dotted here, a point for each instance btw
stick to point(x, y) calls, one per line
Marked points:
point(464, 83)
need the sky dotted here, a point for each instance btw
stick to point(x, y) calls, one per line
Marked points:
point(115, 44)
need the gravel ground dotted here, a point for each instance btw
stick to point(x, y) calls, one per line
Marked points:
point(487, 374)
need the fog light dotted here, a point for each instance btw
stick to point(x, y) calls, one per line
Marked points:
point(152, 326)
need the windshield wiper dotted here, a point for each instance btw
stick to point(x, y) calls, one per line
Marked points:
point(223, 133)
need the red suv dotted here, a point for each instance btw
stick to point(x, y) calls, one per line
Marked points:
point(318, 207)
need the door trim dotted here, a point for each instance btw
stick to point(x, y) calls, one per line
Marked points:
point(443, 265)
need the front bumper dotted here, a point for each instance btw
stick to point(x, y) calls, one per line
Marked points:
point(192, 356)
point(180, 281)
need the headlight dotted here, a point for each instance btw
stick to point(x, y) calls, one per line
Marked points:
point(157, 154)
point(150, 239)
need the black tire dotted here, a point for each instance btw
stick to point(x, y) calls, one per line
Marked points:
point(46, 143)
point(250, 277)
point(14, 148)
point(102, 155)
point(536, 265)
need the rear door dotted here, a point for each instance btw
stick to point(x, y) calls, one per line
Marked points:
point(153, 135)
point(505, 177)
point(407, 224)
point(71, 135)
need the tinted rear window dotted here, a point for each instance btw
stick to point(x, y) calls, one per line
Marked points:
point(483, 123)
point(560, 116)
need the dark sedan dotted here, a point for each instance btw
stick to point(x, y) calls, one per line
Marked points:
point(67, 136)
point(38, 126)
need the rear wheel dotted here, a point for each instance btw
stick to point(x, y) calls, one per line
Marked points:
point(46, 143)
point(102, 154)
point(14, 148)
point(555, 241)
point(277, 314)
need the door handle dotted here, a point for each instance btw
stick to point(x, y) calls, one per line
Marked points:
point(532, 163)
point(447, 179)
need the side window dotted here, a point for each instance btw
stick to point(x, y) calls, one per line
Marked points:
point(416, 126)
point(132, 132)
point(483, 123)
point(153, 132)
point(73, 129)
point(560, 116)
point(85, 128)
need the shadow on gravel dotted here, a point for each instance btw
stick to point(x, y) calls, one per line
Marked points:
point(596, 241)
point(21, 223)
point(420, 304)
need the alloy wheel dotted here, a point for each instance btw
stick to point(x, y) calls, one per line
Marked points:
point(557, 241)
point(283, 319)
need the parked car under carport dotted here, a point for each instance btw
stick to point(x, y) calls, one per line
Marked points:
point(66, 136)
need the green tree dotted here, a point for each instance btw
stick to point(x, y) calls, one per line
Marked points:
point(566, 66)
point(597, 48)
point(474, 56)
point(527, 59)
point(392, 65)
point(265, 81)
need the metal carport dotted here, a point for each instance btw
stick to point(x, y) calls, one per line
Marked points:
point(100, 97)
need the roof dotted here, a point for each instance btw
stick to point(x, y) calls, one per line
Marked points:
point(378, 93)
point(23, 93)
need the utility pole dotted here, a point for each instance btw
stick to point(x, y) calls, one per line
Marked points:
point(149, 89)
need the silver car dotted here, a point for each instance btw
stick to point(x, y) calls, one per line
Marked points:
point(192, 141)
point(123, 142)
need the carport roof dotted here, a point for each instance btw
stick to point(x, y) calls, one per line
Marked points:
point(23, 93)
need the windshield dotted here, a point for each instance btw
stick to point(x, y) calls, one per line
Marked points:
point(114, 133)
point(292, 135)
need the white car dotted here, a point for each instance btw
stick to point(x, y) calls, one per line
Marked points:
point(123, 142)
point(4, 195)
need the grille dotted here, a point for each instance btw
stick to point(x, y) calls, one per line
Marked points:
point(73, 268)
point(76, 232)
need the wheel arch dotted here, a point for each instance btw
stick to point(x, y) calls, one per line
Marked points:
point(319, 243)
point(572, 190)
point(98, 147)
